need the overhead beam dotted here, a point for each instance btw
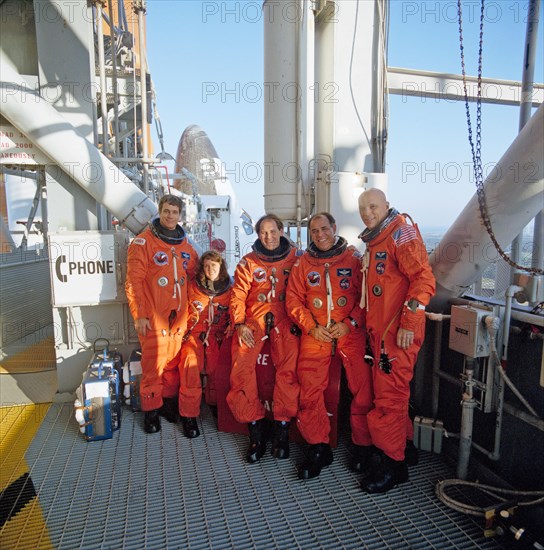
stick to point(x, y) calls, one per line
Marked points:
point(445, 86)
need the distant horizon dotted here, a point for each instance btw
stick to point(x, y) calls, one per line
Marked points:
point(432, 228)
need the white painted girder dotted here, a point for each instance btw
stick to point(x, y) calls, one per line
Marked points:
point(444, 86)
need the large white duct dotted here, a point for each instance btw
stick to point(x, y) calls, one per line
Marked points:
point(282, 94)
point(62, 143)
point(514, 195)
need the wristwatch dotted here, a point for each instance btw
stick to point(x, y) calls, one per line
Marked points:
point(353, 322)
point(413, 305)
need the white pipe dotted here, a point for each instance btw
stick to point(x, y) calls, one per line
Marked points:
point(379, 111)
point(102, 73)
point(523, 316)
point(527, 85)
point(531, 46)
point(534, 420)
point(31, 216)
point(522, 415)
point(538, 241)
point(510, 292)
point(492, 324)
point(517, 393)
point(514, 197)
point(282, 99)
point(299, 56)
point(468, 404)
point(436, 316)
point(41, 182)
point(530, 318)
point(305, 72)
point(79, 158)
point(99, 18)
point(143, 94)
point(437, 352)
point(114, 80)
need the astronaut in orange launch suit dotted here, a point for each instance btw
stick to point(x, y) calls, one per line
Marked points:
point(323, 298)
point(258, 312)
point(160, 261)
point(398, 284)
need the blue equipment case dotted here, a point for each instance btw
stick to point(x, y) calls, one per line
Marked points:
point(98, 403)
point(132, 374)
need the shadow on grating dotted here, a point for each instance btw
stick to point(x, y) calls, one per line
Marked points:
point(166, 491)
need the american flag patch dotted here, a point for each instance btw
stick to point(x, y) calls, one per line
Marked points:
point(404, 234)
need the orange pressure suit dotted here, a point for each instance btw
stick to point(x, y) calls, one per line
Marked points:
point(206, 339)
point(259, 287)
point(325, 288)
point(158, 269)
point(396, 270)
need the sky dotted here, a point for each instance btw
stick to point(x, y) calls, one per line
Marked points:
point(206, 62)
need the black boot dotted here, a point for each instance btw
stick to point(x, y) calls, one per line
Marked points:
point(169, 409)
point(365, 459)
point(152, 422)
point(317, 457)
point(190, 427)
point(257, 440)
point(280, 440)
point(390, 473)
point(411, 456)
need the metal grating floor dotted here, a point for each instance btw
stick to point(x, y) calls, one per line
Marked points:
point(165, 491)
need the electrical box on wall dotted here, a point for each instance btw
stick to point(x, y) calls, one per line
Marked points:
point(468, 333)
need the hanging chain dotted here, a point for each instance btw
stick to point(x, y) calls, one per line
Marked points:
point(477, 150)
